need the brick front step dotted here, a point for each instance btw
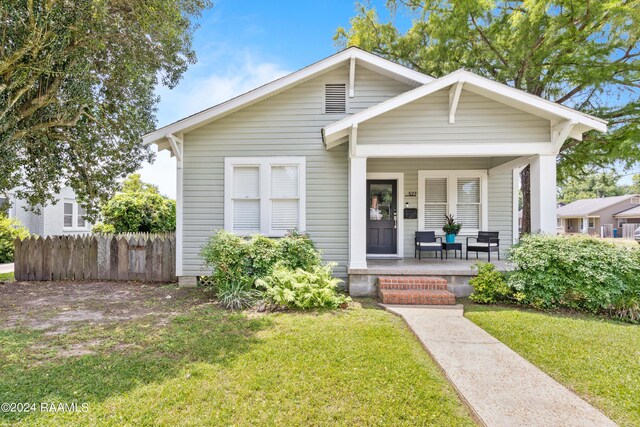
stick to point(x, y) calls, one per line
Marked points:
point(412, 282)
point(416, 297)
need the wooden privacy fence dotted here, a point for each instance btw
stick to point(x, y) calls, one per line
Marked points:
point(136, 256)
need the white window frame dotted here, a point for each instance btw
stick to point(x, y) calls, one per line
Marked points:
point(346, 96)
point(264, 164)
point(452, 197)
point(74, 217)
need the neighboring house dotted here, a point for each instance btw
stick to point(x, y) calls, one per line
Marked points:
point(65, 217)
point(599, 216)
point(340, 149)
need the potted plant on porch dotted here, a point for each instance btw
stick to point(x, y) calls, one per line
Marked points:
point(451, 228)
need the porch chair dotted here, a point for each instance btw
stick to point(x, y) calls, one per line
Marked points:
point(487, 241)
point(427, 241)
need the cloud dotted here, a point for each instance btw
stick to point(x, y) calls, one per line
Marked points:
point(220, 74)
point(213, 82)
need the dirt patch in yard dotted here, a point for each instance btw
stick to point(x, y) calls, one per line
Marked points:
point(61, 309)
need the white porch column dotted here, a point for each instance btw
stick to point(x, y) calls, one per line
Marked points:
point(585, 225)
point(543, 194)
point(357, 212)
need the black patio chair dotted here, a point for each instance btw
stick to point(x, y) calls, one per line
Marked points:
point(428, 242)
point(487, 241)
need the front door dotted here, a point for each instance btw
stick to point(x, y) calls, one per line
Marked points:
point(382, 211)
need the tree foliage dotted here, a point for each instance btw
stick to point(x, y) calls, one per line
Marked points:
point(593, 185)
point(77, 81)
point(582, 54)
point(138, 208)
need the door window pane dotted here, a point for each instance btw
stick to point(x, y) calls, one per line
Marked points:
point(380, 202)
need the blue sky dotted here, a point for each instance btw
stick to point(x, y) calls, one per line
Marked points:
point(241, 45)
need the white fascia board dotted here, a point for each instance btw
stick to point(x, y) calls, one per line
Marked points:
point(269, 89)
point(454, 149)
point(468, 78)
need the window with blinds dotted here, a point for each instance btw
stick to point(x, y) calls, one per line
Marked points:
point(435, 202)
point(284, 197)
point(266, 197)
point(335, 98)
point(468, 207)
point(246, 199)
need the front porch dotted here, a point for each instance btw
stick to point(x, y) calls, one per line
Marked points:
point(457, 272)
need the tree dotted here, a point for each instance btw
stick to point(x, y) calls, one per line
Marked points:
point(77, 81)
point(593, 185)
point(138, 208)
point(582, 54)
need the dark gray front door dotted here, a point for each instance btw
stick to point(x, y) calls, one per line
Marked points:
point(381, 217)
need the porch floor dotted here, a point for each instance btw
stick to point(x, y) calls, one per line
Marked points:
point(426, 266)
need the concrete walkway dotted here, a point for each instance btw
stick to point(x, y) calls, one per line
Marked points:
point(502, 388)
point(6, 268)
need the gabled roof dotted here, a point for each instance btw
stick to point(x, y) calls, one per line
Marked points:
point(586, 207)
point(629, 213)
point(477, 84)
point(363, 58)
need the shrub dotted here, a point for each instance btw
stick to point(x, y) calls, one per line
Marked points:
point(233, 258)
point(237, 295)
point(101, 228)
point(302, 289)
point(297, 250)
point(577, 272)
point(10, 229)
point(490, 285)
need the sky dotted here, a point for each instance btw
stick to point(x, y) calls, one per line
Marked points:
point(241, 45)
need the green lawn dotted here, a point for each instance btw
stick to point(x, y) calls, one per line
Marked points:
point(6, 277)
point(599, 359)
point(206, 366)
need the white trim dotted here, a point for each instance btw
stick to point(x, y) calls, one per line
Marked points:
point(515, 173)
point(447, 149)
point(393, 70)
point(176, 146)
point(452, 196)
point(454, 99)
point(357, 208)
point(561, 132)
point(510, 165)
point(399, 178)
point(74, 227)
point(265, 164)
point(179, 205)
point(352, 77)
point(532, 103)
point(543, 194)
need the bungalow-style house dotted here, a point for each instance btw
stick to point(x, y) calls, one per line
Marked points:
point(361, 153)
point(64, 218)
point(599, 216)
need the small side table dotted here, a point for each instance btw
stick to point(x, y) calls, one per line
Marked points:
point(455, 247)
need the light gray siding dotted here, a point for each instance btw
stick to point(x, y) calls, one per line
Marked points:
point(478, 119)
point(286, 124)
point(500, 191)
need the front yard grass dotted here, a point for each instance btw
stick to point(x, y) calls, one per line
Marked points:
point(597, 358)
point(6, 277)
point(191, 363)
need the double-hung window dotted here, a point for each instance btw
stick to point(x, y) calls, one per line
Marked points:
point(73, 215)
point(461, 193)
point(264, 195)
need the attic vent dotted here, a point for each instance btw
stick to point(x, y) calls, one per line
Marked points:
point(635, 200)
point(335, 98)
